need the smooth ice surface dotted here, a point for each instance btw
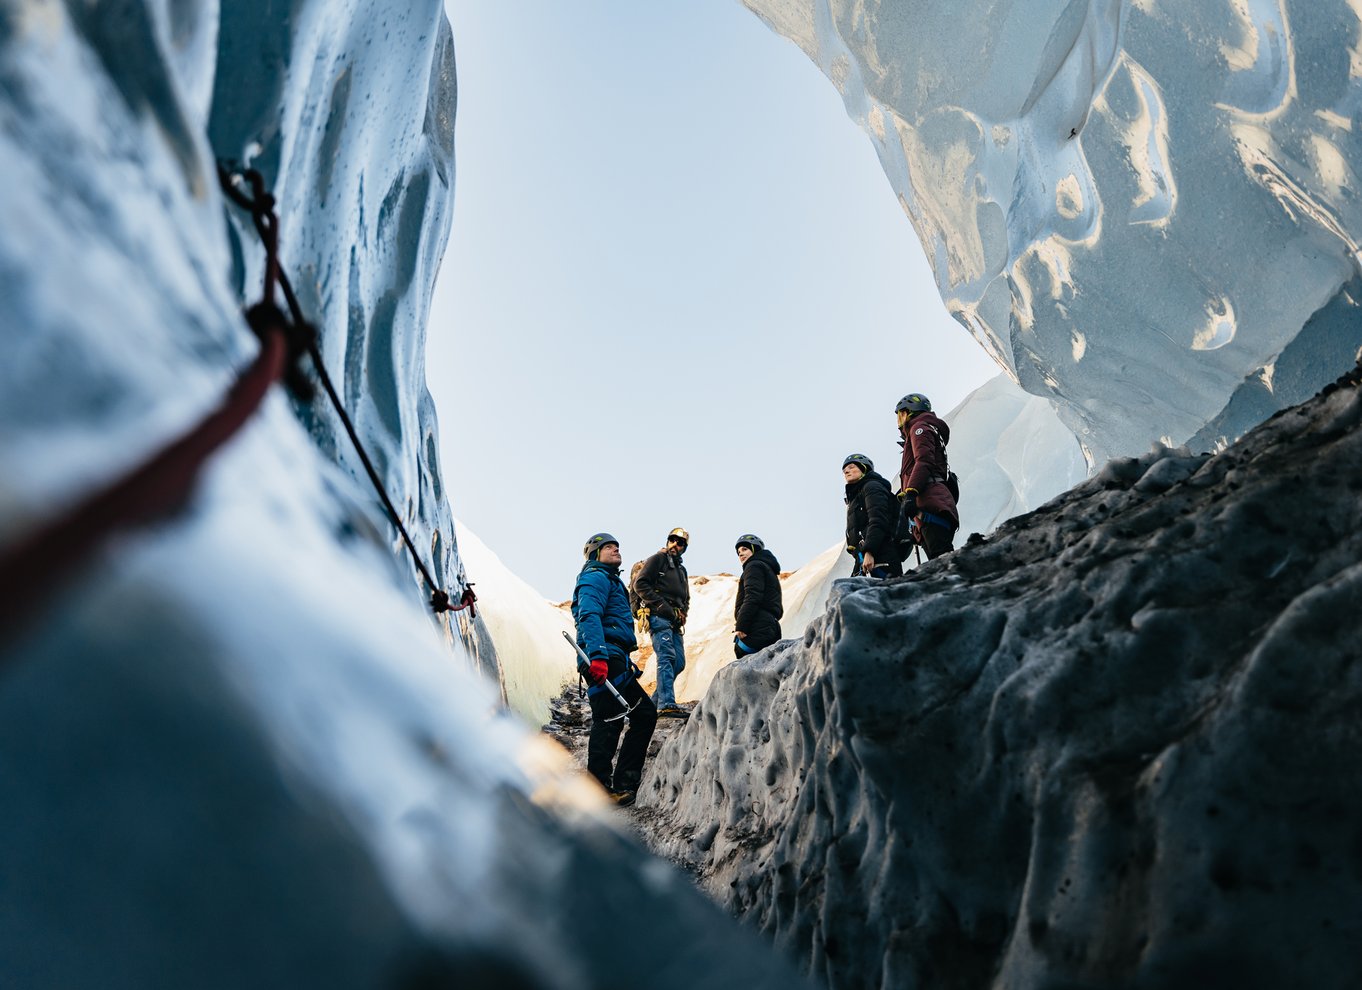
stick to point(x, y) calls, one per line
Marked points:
point(1011, 453)
point(1115, 745)
point(1143, 210)
point(526, 631)
point(235, 750)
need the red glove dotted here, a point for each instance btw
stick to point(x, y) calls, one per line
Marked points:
point(599, 670)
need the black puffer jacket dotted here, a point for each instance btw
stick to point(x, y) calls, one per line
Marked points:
point(872, 512)
point(663, 586)
point(759, 607)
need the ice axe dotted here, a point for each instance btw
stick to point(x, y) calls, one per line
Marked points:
point(584, 668)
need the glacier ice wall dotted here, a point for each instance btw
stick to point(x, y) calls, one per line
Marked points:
point(1011, 452)
point(235, 750)
point(1114, 746)
point(1145, 211)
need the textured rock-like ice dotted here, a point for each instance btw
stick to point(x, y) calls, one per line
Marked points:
point(234, 752)
point(1143, 210)
point(1116, 745)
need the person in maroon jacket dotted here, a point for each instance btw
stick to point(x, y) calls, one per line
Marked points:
point(924, 498)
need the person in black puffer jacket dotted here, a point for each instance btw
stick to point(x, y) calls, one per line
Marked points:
point(757, 612)
point(871, 515)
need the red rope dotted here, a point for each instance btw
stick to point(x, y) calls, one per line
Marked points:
point(31, 569)
point(439, 601)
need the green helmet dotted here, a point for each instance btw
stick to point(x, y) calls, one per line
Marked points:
point(750, 540)
point(914, 403)
point(861, 461)
point(593, 546)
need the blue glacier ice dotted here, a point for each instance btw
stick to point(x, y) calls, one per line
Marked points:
point(1145, 211)
point(236, 750)
point(1112, 745)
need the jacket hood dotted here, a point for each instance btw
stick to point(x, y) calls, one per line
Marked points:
point(767, 558)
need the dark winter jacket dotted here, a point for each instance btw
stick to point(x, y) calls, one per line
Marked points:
point(600, 607)
point(924, 466)
point(759, 607)
point(872, 512)
point(662, 585)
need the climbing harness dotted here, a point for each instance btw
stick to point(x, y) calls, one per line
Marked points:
point(31, 568)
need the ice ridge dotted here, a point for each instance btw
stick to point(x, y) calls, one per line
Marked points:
point(1137, 208)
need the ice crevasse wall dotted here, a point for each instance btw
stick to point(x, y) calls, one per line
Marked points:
point(1145, 211)
point(234, 750)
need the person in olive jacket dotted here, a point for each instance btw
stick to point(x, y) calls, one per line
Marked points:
point(872, 514)
point(605, 632)
point(663, 591)
point(757, 611)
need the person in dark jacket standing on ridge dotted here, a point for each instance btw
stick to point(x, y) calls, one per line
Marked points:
point(757, 612)
point(663, 591)
point(871, 515)
point(605, 632)
point(924, 497)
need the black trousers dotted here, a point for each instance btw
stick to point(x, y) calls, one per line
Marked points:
point(766, 632)
point(937, 540)
point(605, 736)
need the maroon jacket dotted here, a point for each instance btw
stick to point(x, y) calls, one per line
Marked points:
point(924, 464)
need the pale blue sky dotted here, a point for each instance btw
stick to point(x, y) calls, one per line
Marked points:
point(678, 290)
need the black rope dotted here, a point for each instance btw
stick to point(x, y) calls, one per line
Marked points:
point(261, 204)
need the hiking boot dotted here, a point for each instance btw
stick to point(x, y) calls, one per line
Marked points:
point(623, 798)
point(673, 711)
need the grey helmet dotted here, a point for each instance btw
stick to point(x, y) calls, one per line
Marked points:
point(861, 461)
point(914, 403)
point(593, 545)
point(751, 540)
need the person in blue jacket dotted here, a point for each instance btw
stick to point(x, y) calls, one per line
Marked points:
point(605, 632)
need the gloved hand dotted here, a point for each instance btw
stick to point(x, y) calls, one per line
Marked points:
point(908, 502)
point(680, 618)
point(852, 550)
point(600, 670)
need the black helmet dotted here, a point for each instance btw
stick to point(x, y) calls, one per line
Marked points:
point(751, 540)
point(861, 461)
point(593, 545)
point(914, 403)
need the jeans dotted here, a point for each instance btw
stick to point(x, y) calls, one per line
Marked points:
point(670, 648)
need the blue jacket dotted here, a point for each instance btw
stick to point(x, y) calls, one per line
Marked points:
point(600, 607)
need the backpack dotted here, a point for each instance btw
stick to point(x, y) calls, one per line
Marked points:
point(953, 483)
point(635, 603)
